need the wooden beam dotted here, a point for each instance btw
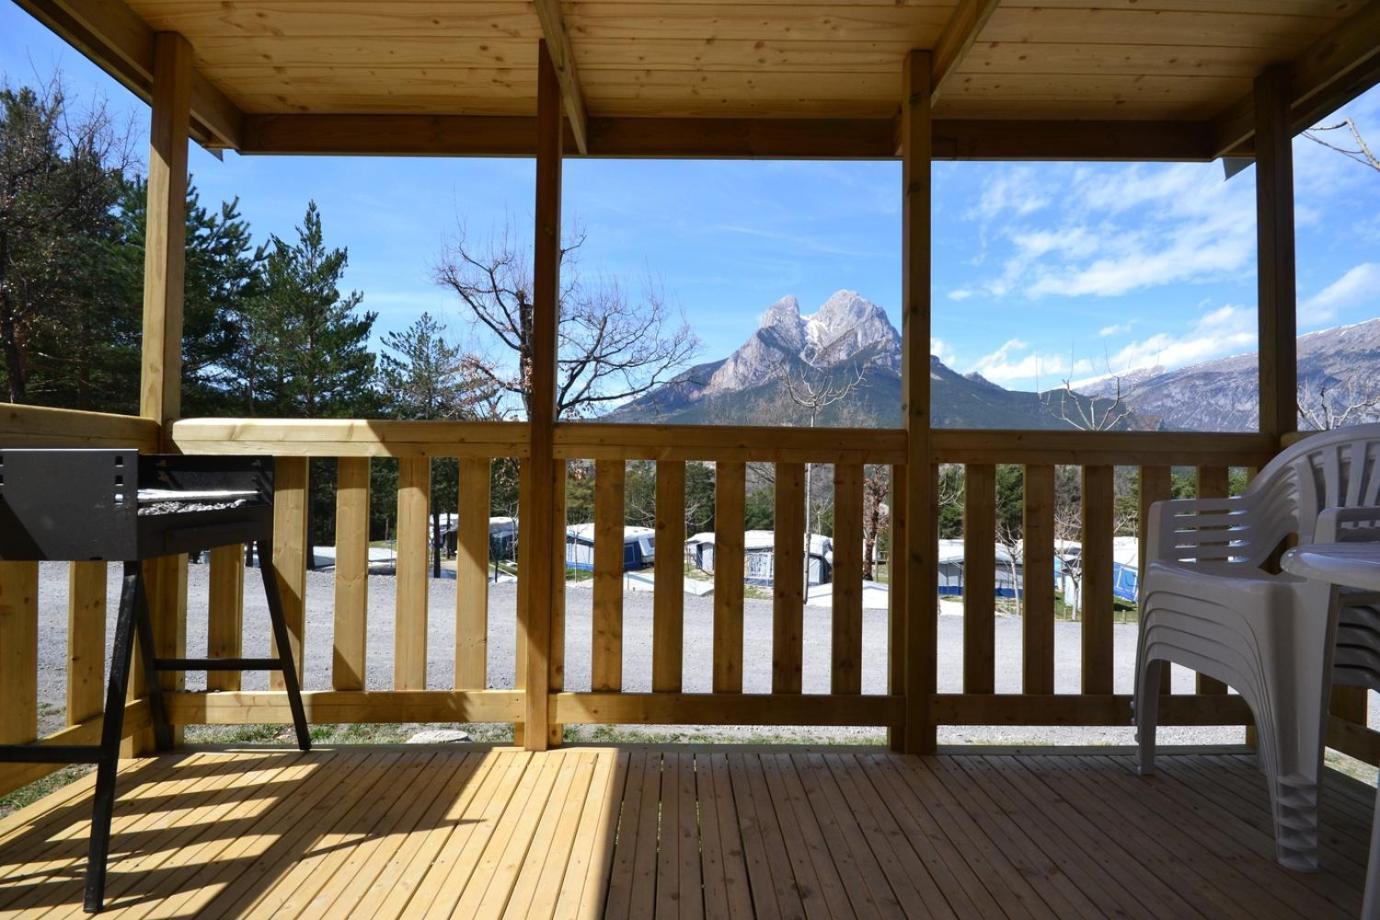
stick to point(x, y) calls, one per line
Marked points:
point(40, 426)
point(118, 41)
point(1083, 709)
point(1335, 69)
point(543, 572)
point(960, 32)
point(563, 60)
point(918, 555)
point(728, 708)
point(329, 706)
point(729, 138)
point(603, 441)
point(1277, 287)
point(348, 437)
point(160, 392)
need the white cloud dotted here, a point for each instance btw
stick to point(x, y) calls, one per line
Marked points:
point(1014, 361)
point(1359, 286)
point(943, 351)
point(1223, 331)
point(1015, 190)
point(960, 294)
point(1114, 329)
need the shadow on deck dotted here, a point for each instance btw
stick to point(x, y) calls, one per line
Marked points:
point(641, 832)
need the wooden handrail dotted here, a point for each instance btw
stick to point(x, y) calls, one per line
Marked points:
point(40, 426)
point(603, 441)
point(1103, 448)
point(350, 437)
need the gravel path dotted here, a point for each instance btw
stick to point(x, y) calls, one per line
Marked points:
point(637, 632)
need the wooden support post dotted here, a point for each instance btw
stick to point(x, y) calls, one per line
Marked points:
point(1037, 572)
point(18, 652)
point(896, 602)
point(846, 676)
point(543, 571)
point(668, 602)
point(349, 651)
point(290, 481)
point(410, 620)
point(606, 668)
point(1097, 562)
point(921, 595)
point(86, 603)
point(160, 391)
point(729, 492)
point(472, 577)
point(789, 574)
point(1274, 198)
point(979, 578)
point(225, 616)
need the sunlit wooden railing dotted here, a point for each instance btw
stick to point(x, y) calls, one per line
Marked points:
point(473, 697)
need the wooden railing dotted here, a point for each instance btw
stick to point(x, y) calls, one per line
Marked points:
point(473, 696)
point(1097, 455)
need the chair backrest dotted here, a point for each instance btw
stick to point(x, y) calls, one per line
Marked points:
point(1330, 469)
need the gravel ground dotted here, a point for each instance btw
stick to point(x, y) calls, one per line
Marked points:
point(637, 633)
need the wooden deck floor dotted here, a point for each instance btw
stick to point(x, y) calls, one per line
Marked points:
point(674, 833)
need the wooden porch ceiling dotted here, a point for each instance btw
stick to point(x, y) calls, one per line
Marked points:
point(459, 76)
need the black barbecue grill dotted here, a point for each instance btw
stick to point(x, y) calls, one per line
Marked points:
point(123, 506)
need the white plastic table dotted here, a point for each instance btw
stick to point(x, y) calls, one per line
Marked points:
point(1346, 565)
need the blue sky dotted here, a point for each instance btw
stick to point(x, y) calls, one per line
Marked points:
point(1041, 271)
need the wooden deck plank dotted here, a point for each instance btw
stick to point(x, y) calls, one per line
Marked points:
point(677, 833)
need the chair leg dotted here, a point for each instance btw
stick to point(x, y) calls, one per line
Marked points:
point(112, 732)
point(1146, 709)
point(280, 637)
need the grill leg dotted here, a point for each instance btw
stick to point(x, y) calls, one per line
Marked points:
point(148, 652)
point(264, 550)
point(112, 731)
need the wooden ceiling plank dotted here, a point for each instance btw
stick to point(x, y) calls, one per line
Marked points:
point(957, 39)
point(727, 138)
point(563, 59)
point(120, 42)
point(1335, 69)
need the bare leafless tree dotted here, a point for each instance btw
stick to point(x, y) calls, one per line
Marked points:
point(1323, 407)
point(1356, 149)
point(611, 347)
point(815, 389)
point(876, 513)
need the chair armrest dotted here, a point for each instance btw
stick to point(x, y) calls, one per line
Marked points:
point(1357, 524)
point(1195, 528)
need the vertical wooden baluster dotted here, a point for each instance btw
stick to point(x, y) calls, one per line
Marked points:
point(1213, 482)
point(290, 555)
point(349, 657)
point(409, 625)
point(1095, 585)
point(86, 603)
point(166, 578)
point(729, 488)
point(607, 666)
point(668, 605)
point(225, 614)
point(789, 574)
point(898, 583)
point(472, 577)
point(525, 554)
point(1156, 484)
point(846, 674)
point(556, 653)
point(1037, 607)
point(979, 578)
point(18, 652)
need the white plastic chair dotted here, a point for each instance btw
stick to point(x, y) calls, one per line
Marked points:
point(1207, 603)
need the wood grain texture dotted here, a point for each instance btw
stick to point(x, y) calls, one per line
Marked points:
point(922, 613)
point(1037, 595)
point(1096, 559)
point(410, 620)
point(18, 652)
point(472, 577)
point(788, 578)
point(225, 616)
point(979, 578)
point(729, 497)
point(350, 643)
point(609, 483)
point(86, 613)
point(897, 572)
point(1213, 482)
point(289, 561)
point(846, 653)
point(1277, 289)
point(668, 602)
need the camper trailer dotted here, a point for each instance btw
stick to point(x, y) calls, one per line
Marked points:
point(639, 547)
point(759, 556)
